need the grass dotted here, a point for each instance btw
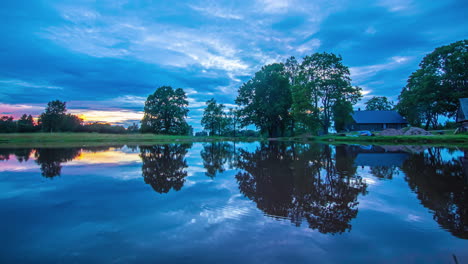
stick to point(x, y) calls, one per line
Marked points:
point(95, 139)
point(440, 140)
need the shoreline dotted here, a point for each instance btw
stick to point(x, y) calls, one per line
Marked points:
point(95, 139)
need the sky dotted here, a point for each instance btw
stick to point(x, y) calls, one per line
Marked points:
point(105, 57)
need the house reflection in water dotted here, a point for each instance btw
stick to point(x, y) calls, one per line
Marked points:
point(383, 161)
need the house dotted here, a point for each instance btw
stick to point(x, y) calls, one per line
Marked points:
point(462, 114)
point(376, 121)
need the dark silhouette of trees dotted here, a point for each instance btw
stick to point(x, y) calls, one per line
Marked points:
point(379, 103)
point(26, 124)
point(214, 119)
point(165, 112)
point(434, 89)
point(216, 156)
point(302, 183)
point(265, 100)
point(441, 187)
point(50, 159)
point(55, 118)
point(164, 166)
point(7, 125)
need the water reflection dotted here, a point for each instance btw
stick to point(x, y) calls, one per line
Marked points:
point(440, 184)
point(302, 182)
point(316, 185)
point(216, 156)
point(383, 161)
point(21, 154)
point(50, 159)
point(164, 166)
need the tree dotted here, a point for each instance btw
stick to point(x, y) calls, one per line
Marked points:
point(265, 100)
point(133, 128)
point(342, 111)
point(165, 112)
point(7, 125)
point(379, 103)
point(164, 166)
point(307, 184)
point(25, 124)
point(434, 89)
point(53, 116)
point(214, 119)
point(328, 81)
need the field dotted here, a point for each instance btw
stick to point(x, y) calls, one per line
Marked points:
point(94, 139)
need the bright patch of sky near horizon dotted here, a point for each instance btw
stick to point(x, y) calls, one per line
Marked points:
point(104, 57)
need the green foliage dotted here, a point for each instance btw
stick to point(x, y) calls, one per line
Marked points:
point(265, 100)
point(323, 82)
point(26, 124)
point(55, 118)
point(214, 119)
point(342, 111)
point(104, 128)
point(165, 112)
point(133, 128)
point(379, 103)
point(434, 89)
point(7, 125)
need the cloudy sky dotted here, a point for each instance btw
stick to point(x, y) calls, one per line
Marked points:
point(105, 57)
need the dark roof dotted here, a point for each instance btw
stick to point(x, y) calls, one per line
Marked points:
point(378, 117)
point(462, 114)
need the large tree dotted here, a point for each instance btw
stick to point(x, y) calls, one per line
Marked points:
point(328, 82)
point(214, 119)
point(379, 103)
point(25, 123)
point(434, 89)
point(265, 100)
point(56, 119)
point(7, 125)
point(165, 112)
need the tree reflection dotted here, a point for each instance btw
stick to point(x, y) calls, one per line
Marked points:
point(302, 182)
point(50, 159)
point(216, 156)
point(441, 186)
point(164, 166)
point(21, 154)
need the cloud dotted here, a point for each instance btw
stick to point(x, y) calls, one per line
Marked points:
point(113, 117)
point(110, 55)
point(361, 73)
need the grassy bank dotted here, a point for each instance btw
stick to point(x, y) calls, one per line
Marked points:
point(440, 140)
point(95, 139)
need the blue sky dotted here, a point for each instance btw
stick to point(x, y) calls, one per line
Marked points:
point(104, 57)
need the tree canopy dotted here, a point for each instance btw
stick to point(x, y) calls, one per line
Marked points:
point(56, 119)
point(434, 89)
point(165, 112)
point(214, 119)
point(379, 103)
point(265, 100)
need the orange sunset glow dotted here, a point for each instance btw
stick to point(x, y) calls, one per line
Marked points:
point(112, 117)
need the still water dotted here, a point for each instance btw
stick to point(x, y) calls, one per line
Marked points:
point(234, 203)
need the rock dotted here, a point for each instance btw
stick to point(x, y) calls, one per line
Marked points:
point(391, 132)
point(416, 131)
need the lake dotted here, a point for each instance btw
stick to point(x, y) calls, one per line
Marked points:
point(234, 203)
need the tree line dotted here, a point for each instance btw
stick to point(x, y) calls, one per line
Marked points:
point(284, 99)
point(309, 96)
point(56, 119)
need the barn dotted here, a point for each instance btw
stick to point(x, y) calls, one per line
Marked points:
point(376, 121)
